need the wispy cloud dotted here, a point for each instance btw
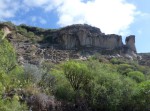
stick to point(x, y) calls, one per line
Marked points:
point(139, 31)
point(111, 16)
point(8, 8)
point(42, 20)
point(36, 3)
point(33, 18)
point(36, 19)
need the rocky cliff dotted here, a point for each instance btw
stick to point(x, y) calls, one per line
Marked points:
point(85, 36)
point(49, 44)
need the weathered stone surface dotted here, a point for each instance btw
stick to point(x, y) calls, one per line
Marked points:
point(76, 36)
point(6, 30)
point(73, 41)
point(130, 42)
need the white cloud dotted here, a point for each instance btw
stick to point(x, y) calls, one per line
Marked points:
point(36, 3)
point(111, 16)
point(42, 20)
point(8, 8)
point(36, 19)
point(33, 18)
point(18, 22)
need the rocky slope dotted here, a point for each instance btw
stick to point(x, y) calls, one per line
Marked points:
point(145, 59)
point(35, 45)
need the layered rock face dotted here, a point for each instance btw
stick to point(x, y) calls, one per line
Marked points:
point(81, 36)
point(85, 36)
point(69, 42)
point(78, 36)
point(130, 42)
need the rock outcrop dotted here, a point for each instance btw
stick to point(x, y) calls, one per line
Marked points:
point(35, 44)
point(84, 36)
point(130, 43)
point(6, 30)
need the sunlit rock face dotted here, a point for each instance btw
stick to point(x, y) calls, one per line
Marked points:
point(76, 36)
point(130, 42)
point(85, 36)
point(80, 37)
point(6, 30)
point(55, 45)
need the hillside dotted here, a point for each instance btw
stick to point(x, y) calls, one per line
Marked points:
point(34, 44)
point(75, 68)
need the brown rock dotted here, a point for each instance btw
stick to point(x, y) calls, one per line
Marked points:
point(130, 43)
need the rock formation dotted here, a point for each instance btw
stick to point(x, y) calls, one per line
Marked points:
point(6, 29)
point(84, 36)
point(64, 43)
point(130, 42)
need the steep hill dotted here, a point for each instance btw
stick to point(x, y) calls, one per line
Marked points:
point(35, 45)
point(103, 74)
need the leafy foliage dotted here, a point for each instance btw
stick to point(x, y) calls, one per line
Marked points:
point(96, 84)
point(7, 55)
point(137, 76)
point(9, 77)
point(12, 105)
point(78, 74)
point(142, 96)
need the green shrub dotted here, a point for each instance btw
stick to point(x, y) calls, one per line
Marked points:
point(7, 55)
point(125, 68)
point(128, 88)
point(62, 88)
point(142, 96)
point(107, 92)
point(21, 30)
point(12, 105)
point(115, 61)
point(137, 76)
point(32, 73)
point(30, 34)
point(77, 74)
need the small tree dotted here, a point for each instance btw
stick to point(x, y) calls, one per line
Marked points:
point(78, 74)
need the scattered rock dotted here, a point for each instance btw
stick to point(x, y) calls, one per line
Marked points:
point(75, 42)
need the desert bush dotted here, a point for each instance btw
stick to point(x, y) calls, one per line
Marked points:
point(137, 76)
point(12, 104)
point(125, 68)
point(7, 55)
point(77, 74)
point(47, 83)
point(30, 34)
point(142, 96)
point(128, 87)
point(107, 91)
point(21, 30)
point(116, 61)
point(62, 88)
point(32, 73)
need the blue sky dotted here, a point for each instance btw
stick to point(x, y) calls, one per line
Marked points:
point(123, 17)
